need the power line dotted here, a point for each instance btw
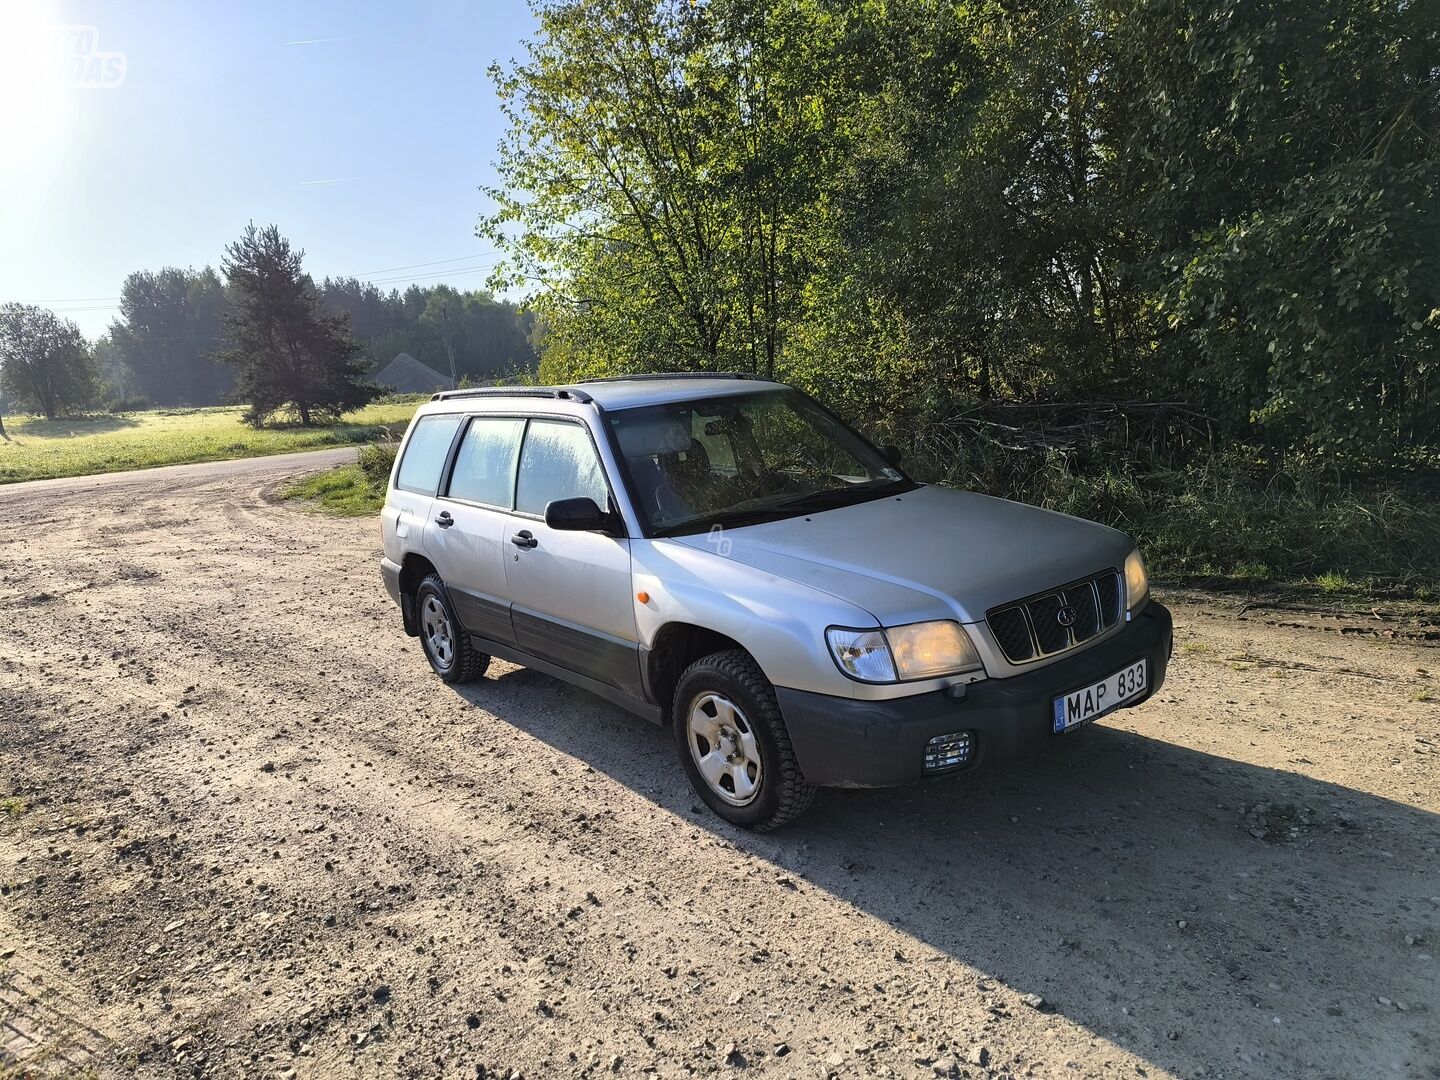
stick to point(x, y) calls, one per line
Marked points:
point(76, 300)
point(433, 262)
point(105, 301)
point(442, 273)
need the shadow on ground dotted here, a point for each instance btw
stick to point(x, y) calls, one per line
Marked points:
point(1117, 876)
point(68, 427)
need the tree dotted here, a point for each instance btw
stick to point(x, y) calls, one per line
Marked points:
point(664, 176)
point(117, 381)
point(470, 332)
point(287, 352)
point(1283, 157)
point(44, 361)
point(169, 329)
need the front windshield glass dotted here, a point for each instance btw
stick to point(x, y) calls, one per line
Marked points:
point(744, 459)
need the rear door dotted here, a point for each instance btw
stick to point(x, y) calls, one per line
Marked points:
point(465, 534)
point(422, 459)
point(570, 591)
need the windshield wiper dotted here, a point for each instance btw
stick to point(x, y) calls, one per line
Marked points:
point(819, 500)
point(732, 519)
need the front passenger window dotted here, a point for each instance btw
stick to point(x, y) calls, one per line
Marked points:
point(558, 461)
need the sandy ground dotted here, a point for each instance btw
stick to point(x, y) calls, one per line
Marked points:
point(245, 832)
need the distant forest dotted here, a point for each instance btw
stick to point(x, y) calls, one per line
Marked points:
point(163, 346)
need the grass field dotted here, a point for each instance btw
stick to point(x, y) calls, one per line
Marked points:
point(39, 449)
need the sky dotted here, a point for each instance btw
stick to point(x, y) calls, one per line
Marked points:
point(138, 134)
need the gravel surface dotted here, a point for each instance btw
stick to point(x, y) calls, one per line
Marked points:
point(245, 832)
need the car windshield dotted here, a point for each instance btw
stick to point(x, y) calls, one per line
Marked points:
point(743, 459)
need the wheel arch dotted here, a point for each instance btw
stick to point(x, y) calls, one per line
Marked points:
point(676, 646)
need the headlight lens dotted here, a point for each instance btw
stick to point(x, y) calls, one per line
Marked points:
point(861, 654)
point(927, 649)
point(1137, 585)
point(917, 651)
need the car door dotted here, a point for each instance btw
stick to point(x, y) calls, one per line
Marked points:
point(570, 592)
point(465, 535)
point(422, 458)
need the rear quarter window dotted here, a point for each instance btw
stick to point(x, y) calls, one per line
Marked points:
point(425, 453)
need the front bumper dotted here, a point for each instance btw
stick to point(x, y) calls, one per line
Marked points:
point(845, 742)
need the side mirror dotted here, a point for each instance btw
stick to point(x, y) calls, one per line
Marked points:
point(577, 515)
point(891, 453)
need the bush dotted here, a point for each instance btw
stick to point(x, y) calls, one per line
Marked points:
point(133, 403)
point(376, 461)
point(1203, 517)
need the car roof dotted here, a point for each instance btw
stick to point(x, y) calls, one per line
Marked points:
point(628, 391)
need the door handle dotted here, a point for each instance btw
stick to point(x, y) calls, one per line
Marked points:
point(444, 520)
point(524, 539)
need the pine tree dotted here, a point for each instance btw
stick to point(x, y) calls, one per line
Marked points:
point(287, 353)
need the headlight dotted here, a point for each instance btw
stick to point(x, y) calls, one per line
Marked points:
point(1137, 585)
point(917, 651)
point(924, 650)
point(861, 654)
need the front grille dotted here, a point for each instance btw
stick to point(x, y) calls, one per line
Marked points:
point(1060, 619)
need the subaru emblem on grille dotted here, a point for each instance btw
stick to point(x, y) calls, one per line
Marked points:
point(1065, 616)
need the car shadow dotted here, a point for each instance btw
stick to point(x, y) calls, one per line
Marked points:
point(1208, 915)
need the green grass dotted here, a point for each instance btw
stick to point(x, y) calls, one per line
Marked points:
point(13, 806)
point(343, 491)
point(350, 490)
point(40, 449)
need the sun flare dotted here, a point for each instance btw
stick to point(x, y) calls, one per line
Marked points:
point(32, 94)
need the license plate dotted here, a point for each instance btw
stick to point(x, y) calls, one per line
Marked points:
point(1094, 701)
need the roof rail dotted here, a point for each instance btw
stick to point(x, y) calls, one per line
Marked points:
point(679, 375)
point(566, 394)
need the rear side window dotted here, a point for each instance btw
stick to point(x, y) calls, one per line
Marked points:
point(485, 466)
point(558, 462)
point(425, 453)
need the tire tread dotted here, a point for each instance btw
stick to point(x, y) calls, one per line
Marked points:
point(470, 664)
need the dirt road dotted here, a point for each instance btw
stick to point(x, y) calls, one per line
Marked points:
point(244, 831)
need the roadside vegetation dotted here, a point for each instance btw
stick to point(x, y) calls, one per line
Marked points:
point(356, 490)
point(1207, 518)
point(39, 449)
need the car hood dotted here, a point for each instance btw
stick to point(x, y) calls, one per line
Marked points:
point(927, 554)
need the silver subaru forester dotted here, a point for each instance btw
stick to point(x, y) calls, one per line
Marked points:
point(720, 553)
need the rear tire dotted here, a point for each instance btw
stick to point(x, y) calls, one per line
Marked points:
point(446, 644)
point(733, 744)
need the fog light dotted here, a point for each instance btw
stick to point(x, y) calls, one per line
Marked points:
point(948, 751)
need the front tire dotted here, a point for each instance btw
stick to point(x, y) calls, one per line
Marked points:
point(733, 744)
point(446, 644)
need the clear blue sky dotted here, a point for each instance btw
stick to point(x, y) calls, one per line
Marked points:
point(367, 144)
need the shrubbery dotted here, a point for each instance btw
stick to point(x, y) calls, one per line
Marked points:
point(376, 461)
point(133, 403)
point(1203, 517)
